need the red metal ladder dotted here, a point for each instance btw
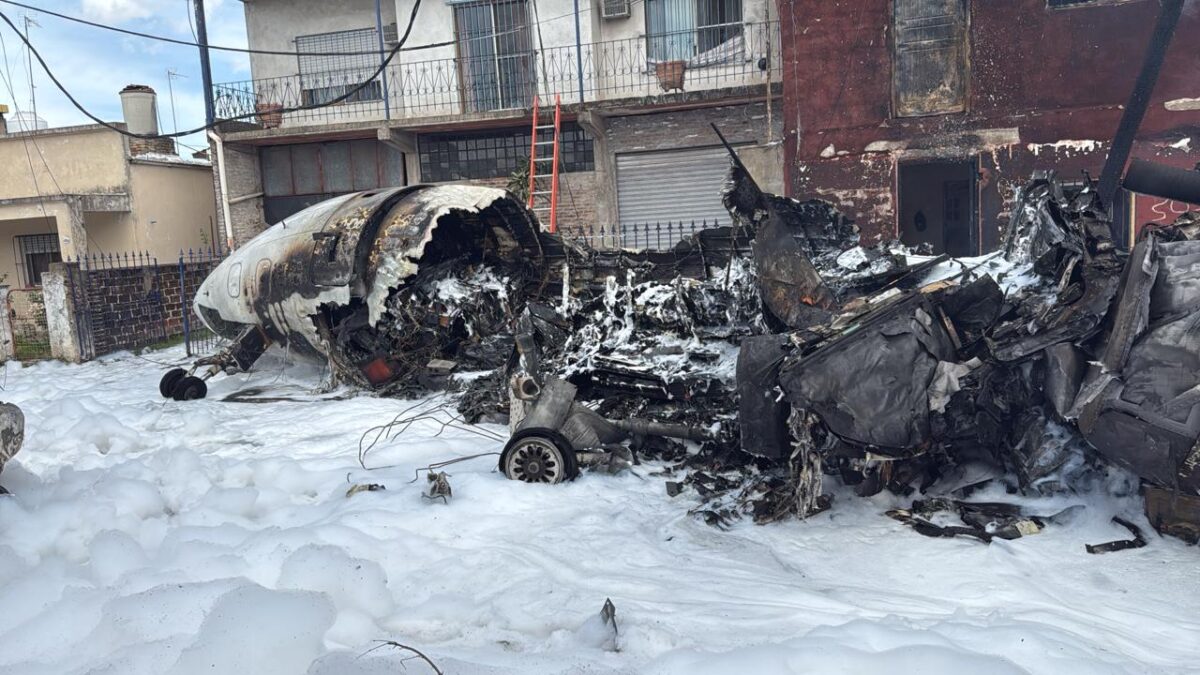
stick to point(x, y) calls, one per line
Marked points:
point(543, 184)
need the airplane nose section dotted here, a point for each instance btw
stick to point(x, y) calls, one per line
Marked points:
point(214, 305)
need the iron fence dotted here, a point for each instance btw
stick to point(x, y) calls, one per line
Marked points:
point(194, 268)
point(129, 300)
point(119, 302)
point(656, 236)
point(647, 67)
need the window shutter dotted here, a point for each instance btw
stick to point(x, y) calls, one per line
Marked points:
point(930, 64)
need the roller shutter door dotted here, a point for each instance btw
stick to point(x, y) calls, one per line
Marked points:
point(673, 186)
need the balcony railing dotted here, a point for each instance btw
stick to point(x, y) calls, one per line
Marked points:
point(646, 68)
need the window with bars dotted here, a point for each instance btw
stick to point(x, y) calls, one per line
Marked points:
point(495, 53)
point(326, 78)
point(930, 68)
point(35, 253)
point(681, 30)
point(450, 157)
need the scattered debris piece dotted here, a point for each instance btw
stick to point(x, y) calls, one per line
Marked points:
point(416, 653)
point(600, 630)
point(1138, 540)
point(364, 487)
point(438, 487)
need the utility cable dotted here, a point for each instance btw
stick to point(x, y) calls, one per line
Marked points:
point(247, 50)
point(179, 134)
point(8, 81)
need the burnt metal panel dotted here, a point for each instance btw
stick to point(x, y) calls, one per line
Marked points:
point(929, 70)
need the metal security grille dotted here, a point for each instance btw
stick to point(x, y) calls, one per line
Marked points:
point(27, 316)
point(674, 186)
point(496, 54)
point(447, 157)
point(930, 66)
point(34, 254)
point(331, 168)
point(325, 78)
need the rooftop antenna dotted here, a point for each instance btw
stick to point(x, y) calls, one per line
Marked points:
point(29, 59)
point(171, 75)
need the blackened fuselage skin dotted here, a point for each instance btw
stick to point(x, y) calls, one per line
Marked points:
point(350, 249)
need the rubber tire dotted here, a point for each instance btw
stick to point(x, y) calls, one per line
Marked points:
point(166, 386)
point(560, 442)
point(190, 389)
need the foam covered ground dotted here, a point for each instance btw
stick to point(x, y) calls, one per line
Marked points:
point(146, 536)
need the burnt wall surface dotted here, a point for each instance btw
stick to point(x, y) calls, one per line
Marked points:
point(577, 200)
point(741, 123)
point(1036, 77)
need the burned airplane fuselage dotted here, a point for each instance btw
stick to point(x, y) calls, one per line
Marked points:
point(356, 280)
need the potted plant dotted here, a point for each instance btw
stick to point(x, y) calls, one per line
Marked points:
point(670, 74)
point(270, 115)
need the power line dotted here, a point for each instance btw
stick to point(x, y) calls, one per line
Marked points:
point(185, 43)
point(8, 81)
point(269, 52)
point(178, 134)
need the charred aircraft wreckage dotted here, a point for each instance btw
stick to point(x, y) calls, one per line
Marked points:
point(753, 359)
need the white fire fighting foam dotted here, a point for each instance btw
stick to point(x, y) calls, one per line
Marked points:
point(213, 536)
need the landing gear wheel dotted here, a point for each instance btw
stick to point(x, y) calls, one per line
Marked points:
point(539, 456)
point(166, 386)
point(189, 389)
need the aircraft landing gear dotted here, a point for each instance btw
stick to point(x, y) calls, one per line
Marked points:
point(186, 385)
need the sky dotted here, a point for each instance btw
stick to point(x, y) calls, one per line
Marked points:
point(95, 64)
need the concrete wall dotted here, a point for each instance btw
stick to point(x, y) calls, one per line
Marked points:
point(87, 160)
point(6, 327)
point(273, 25)
point(9, 274)
point(1046, 89)
point(174, 207)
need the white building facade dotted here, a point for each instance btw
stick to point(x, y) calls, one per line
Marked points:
point(639, 83)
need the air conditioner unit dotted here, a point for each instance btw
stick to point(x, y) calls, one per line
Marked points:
point(614, 9)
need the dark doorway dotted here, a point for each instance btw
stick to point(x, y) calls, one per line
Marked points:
point(938, 206)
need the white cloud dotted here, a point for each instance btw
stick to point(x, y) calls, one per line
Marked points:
point(118, 11)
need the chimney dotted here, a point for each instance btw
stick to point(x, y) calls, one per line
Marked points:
point(3, 122)
point(139, 104)
point(140, 108)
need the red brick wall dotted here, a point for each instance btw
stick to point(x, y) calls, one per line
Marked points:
point(1051, 75)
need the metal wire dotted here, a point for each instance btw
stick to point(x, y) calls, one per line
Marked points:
point(421, 411)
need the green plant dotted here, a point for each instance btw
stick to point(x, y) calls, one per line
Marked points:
point(518, 182)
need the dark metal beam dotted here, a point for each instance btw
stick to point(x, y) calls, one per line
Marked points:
point(1139, 100)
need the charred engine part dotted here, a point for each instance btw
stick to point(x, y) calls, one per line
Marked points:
point(556, 430)
point(1168, 182)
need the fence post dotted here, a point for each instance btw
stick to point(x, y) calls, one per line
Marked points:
point(183, 302)
point(60, 314)
point(7, 348)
